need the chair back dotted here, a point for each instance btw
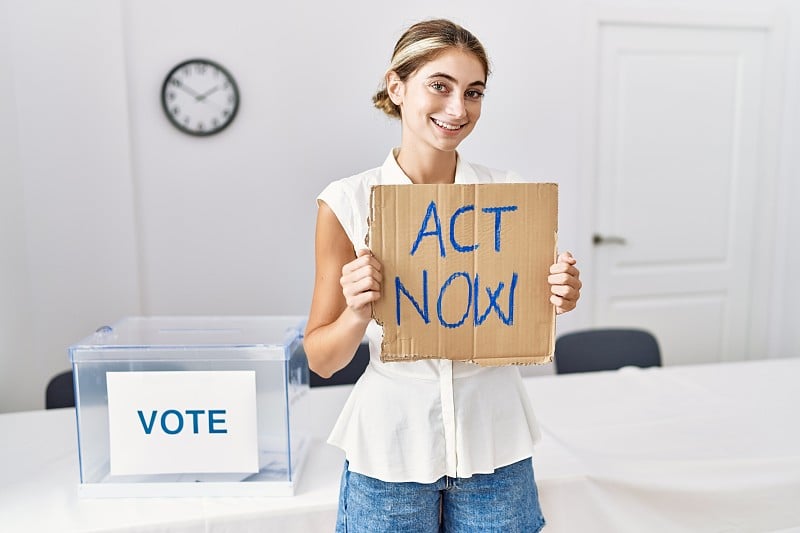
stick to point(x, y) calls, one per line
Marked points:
point(60, 391)
point(605, 349)
point(349, 374)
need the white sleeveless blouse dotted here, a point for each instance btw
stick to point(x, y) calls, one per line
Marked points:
point(419, 421)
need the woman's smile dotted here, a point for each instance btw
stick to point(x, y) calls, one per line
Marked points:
point(448, 126)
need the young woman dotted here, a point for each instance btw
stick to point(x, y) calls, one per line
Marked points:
point(434, 444)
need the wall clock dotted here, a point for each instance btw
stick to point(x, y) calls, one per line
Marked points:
point(200, 97)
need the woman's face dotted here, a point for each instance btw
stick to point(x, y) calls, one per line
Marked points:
point(440, 102)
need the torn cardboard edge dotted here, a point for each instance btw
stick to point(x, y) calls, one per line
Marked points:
point(465, 271)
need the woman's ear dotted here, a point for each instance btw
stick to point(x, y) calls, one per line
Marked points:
point(394, 87)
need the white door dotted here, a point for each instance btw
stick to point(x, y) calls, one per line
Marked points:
point(677, 183)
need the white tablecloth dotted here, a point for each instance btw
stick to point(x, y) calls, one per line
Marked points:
point(698, 448)
point(706, 448)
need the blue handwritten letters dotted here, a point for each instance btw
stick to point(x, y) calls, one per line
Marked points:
point(499, 297)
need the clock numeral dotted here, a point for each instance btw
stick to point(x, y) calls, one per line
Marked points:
point(186, 120)
point(231, 99)
point(214, 122)
point(187, 71)
point(176, 110)
point(226, 85)
point(176, 82)
point(171, 95)
point(225, 113)
point(200, 126)
point(200, 68)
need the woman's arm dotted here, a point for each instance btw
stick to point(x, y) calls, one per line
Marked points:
point(345, 286)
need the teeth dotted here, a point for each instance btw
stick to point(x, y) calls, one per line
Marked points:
point(446, 126)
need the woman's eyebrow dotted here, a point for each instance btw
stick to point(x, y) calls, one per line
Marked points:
point(451, 78)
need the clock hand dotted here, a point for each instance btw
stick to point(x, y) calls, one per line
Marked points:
point(208, 92)
point(189, 90)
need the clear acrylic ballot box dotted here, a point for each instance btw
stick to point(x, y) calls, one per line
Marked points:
point(190, 406)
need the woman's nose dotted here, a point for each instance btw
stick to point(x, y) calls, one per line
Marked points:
point(456, 106)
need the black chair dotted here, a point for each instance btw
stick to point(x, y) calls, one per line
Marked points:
point(349, 374)
point(60, 391)
point(605, 349)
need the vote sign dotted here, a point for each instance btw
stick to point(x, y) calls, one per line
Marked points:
point(176, 422)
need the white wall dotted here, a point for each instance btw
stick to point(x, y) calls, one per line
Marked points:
point(14, 281)
point(107, 210)
point(74, 263)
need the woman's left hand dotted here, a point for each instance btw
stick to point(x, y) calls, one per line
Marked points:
point(565, 283)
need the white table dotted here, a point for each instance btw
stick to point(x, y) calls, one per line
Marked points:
point(696, 448)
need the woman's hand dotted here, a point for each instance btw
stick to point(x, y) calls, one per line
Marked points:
point(361, 283)
point(565, 283)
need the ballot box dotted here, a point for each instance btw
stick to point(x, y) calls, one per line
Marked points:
point(191, 406)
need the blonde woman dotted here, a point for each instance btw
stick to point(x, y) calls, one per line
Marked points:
point(431, 445)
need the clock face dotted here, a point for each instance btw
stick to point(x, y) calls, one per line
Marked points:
point(200, 97)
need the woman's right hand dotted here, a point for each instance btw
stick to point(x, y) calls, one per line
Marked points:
point(361, 283)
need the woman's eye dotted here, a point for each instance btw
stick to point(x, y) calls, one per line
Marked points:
point(475, 95)
point(438, 86)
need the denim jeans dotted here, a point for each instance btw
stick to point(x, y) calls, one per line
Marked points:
point(506, 500)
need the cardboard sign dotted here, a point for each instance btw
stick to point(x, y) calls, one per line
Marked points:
point(182, 422)
point(465, 271)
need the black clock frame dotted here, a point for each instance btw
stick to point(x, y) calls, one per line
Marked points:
point(180, 126)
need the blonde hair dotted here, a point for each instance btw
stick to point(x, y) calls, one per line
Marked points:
point(420, 44)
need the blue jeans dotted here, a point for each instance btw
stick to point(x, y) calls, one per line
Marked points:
point(506, 500)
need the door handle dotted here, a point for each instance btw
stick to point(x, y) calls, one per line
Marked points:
point(598, 239)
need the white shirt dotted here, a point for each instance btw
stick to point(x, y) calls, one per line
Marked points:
point(421, 420)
